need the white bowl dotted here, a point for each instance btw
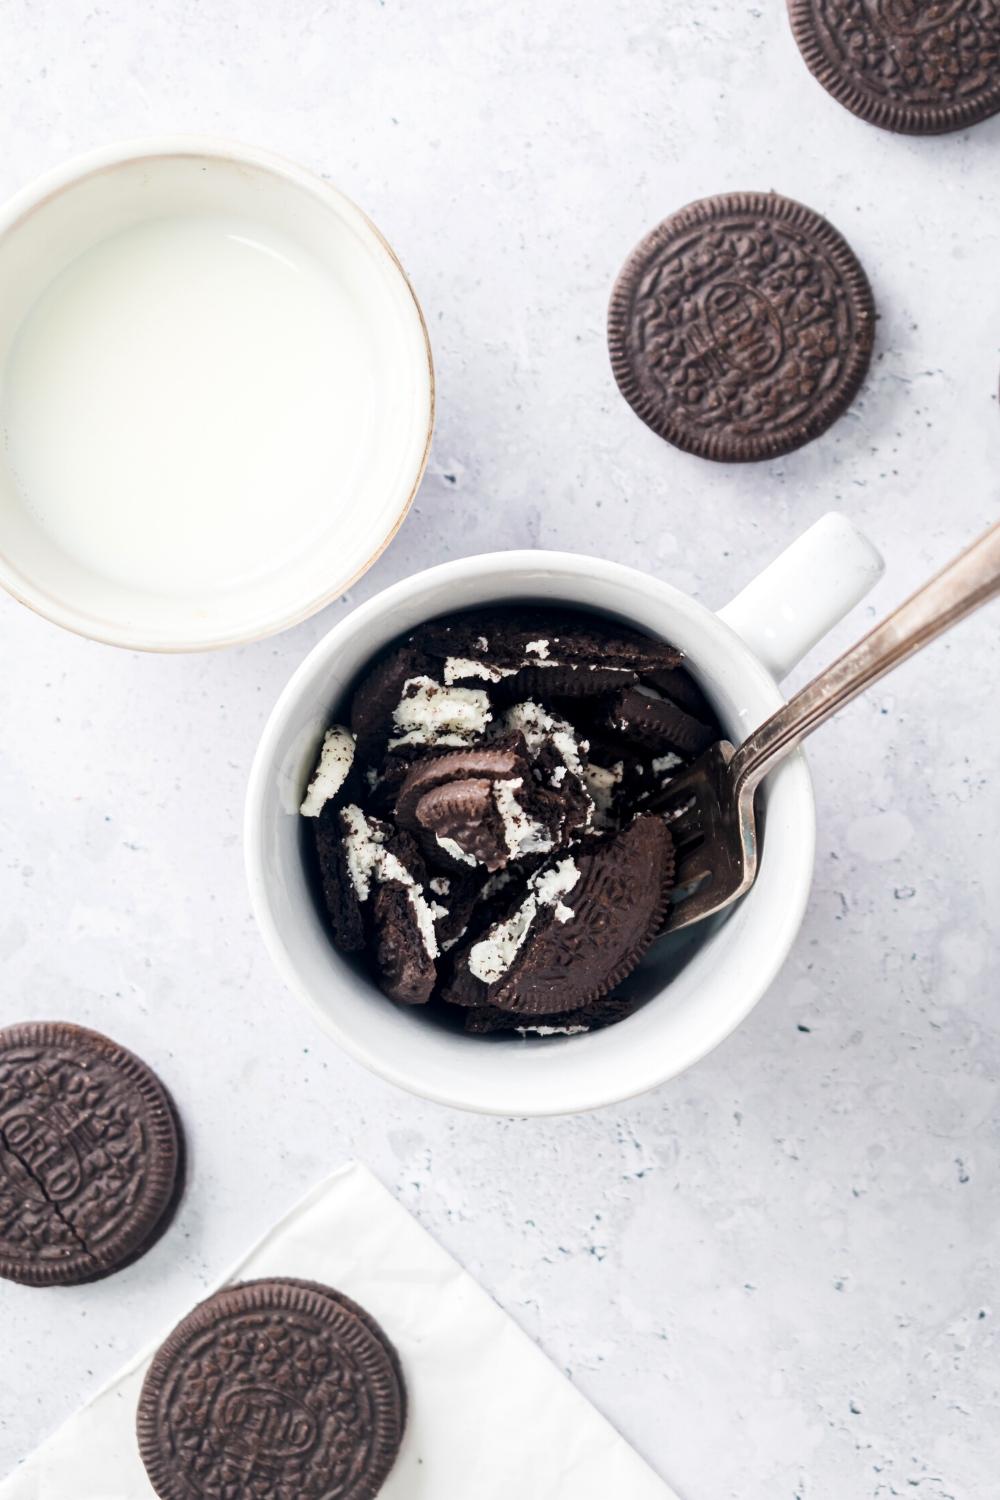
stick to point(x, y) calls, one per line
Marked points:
point(216, 394)
point(700, 984)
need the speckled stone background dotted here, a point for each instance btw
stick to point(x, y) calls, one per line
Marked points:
point(779, 1274)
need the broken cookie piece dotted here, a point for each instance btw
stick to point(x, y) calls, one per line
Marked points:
point(581, 929)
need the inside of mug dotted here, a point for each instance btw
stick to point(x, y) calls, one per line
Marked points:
point(667, 957)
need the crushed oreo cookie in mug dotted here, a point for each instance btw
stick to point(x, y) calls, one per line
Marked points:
point(484, 821)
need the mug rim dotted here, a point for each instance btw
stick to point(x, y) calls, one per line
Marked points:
point(793, 774)
point(35, 195)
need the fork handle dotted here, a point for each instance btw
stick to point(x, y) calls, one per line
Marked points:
point(970, 580)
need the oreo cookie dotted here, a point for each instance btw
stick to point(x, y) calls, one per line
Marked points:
point(333, 780)
point(741, 327)
point(361, 857)
point(462, 824)
point(379, 694)
point(272, 1390)
point(582, 928)
point(524, 636)
point(680, 687)
point(481, 807)
point(364, 1316)
point(91, 1155)
point(494, 762)
point(340, 898)
point(565, 680)
point(457, 894)
point(920, 67)
point(403, 956)
point(485, 1020)
point(659, 724)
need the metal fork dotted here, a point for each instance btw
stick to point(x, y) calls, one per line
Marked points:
point(710, 807)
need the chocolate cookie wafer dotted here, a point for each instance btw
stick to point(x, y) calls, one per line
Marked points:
point(680, 687)
point(920, 67)
point(658, 723)
point(272, 1390)
point(564, 680)
point(741, 327)
point(507, 640)
point(91, 1155)
point(404, 959)
point(582, 928)
point(380, 693)
point(486, 1019)
point(363, 1315)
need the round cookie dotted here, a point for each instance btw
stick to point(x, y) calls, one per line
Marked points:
point(272, 1390)
point(741, 327)
point(919, 67)
point(91, 1155)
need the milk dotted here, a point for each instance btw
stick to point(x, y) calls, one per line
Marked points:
point(185, 405)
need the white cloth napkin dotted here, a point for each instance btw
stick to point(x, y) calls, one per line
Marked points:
point(489, 1416)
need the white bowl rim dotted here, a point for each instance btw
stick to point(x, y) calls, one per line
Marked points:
point(795, 782)
point(55, 180)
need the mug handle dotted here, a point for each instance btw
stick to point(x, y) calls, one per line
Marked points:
point(811, 586)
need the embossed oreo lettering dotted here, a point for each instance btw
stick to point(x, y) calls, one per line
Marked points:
point(89, 1154)
point(746, 329)
point(43, 1157)
point(264, 1424)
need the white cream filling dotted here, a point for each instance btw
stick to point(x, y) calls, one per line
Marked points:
point(368, 860)
point(335, 760)
point(539, 648)
point(537, 726)
point(664, 763)
point(493, 955)
point(421, 737)
point(429, 714)
point(457, 668)
point(522, 833)
point(363, 848)
point(455, 850)
point(550, 1030)
point(600, 782)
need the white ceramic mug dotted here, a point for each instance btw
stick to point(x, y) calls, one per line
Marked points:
point(699, 984)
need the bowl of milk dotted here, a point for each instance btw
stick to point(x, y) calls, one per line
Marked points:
point(216, 394)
